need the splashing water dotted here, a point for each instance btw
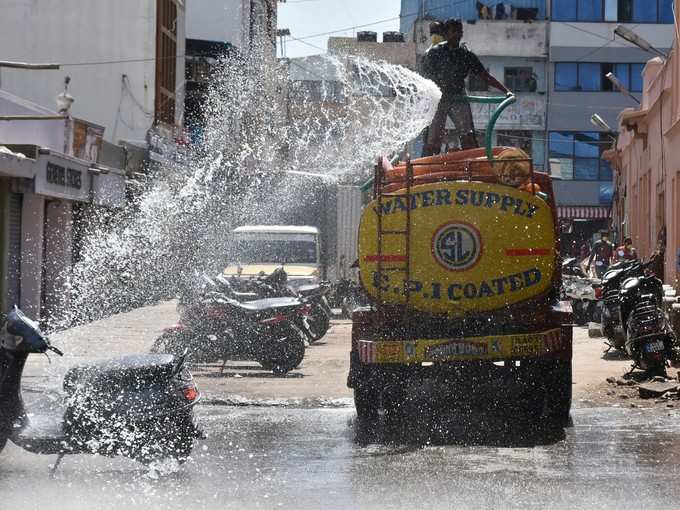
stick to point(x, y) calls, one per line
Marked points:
point(153, 249)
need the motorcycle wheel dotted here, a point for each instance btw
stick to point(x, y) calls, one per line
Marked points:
point(319, 323)
point(171, 342)
point(289, 352)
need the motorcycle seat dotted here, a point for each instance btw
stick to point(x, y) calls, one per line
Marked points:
point(308, 290)
point(137, 370)
point(269, 303)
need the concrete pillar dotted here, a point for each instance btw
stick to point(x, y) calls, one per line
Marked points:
point(58, 259)
point(32, 225)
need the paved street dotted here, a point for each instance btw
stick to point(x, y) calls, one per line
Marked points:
point(320, 380)
point(292, 442)
point(308, 458)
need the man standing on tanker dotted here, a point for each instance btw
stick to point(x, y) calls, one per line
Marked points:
point(448, 64)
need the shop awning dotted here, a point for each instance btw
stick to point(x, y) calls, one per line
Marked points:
point(583, 213)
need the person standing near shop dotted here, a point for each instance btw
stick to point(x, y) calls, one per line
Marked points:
point(602, 253)
point(626, 251)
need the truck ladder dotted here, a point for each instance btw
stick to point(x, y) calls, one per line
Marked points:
point(406, 232)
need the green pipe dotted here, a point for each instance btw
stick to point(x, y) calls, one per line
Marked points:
point(509, 100)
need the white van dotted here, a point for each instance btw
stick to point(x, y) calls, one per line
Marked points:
point(260, 249)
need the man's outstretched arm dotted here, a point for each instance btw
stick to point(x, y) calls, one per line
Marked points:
point(486, 76)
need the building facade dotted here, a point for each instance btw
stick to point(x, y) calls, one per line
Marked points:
point(50, 171)
point(125, 60)
point(215, 28)
point(555, 55)
point(647, 174)
point(583, 49)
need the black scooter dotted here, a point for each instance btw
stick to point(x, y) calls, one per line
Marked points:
point(139, 407)
point(650, 340)
point(612, 327)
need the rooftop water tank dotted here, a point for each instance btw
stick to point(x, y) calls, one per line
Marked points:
point(367, 36)
point(393, 37)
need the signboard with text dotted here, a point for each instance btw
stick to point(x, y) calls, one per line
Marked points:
point(62, 178)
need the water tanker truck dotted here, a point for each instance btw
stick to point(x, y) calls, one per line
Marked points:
point(458, 254)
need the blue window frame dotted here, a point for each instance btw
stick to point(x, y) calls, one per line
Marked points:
point(666, 11)
point(584, 149)
point(622, 11)
point(586, 169)
point(587, 145)
point(589, 77)
point(636, 77)
point(622, 72)
point(561, 145)
point(645, 11)
point(566, 76)
point(589, 10)
point(564, 10)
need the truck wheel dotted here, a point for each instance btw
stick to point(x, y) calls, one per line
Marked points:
point(3, 441)
point(559, 389)
point(366, 401)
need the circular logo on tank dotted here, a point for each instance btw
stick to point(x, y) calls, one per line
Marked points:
point(457, 246)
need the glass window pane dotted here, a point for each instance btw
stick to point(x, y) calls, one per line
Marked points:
point(587, 145)
point(611, 10)
point(622, 72)
point(586, 169)
point(636, 77)
point(589, 77)
point(565, 76)
point(665, 11)
point(605, 171)
point(590, 10)
point(644, 11)
point(564, 10)
point(561, 145)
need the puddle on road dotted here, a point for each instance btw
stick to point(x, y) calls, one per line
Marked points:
point(302, 457)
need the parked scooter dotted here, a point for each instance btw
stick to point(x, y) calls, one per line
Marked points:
point(585, 296)
point(650, 341)
point(139, 407)
point(612, 327)
point(219, 327)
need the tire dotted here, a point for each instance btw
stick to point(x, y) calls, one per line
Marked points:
point(366, 402)
point(171, 342)
point(559, 391)
point(318, 322)
point(288, 353)
point(3, 442)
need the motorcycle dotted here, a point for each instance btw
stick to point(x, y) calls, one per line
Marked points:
point(612, 327)
point(649, 339)
point(219, 327)
point(139, 407)
point(277, 285)
point(585, 296)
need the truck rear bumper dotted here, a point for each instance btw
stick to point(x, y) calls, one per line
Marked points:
point(552, 343)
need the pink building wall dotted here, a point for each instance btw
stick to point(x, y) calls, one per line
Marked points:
point(648, 164)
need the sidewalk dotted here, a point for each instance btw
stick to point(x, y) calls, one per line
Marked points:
point(320, 379)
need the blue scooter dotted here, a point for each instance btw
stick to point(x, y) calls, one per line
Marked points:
point(139, 407)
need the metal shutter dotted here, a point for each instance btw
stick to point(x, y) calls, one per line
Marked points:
point(14, 251)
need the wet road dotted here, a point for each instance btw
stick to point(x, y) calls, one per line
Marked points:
point(309, 458)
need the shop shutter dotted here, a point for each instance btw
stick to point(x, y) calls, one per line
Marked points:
point(14, 251)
